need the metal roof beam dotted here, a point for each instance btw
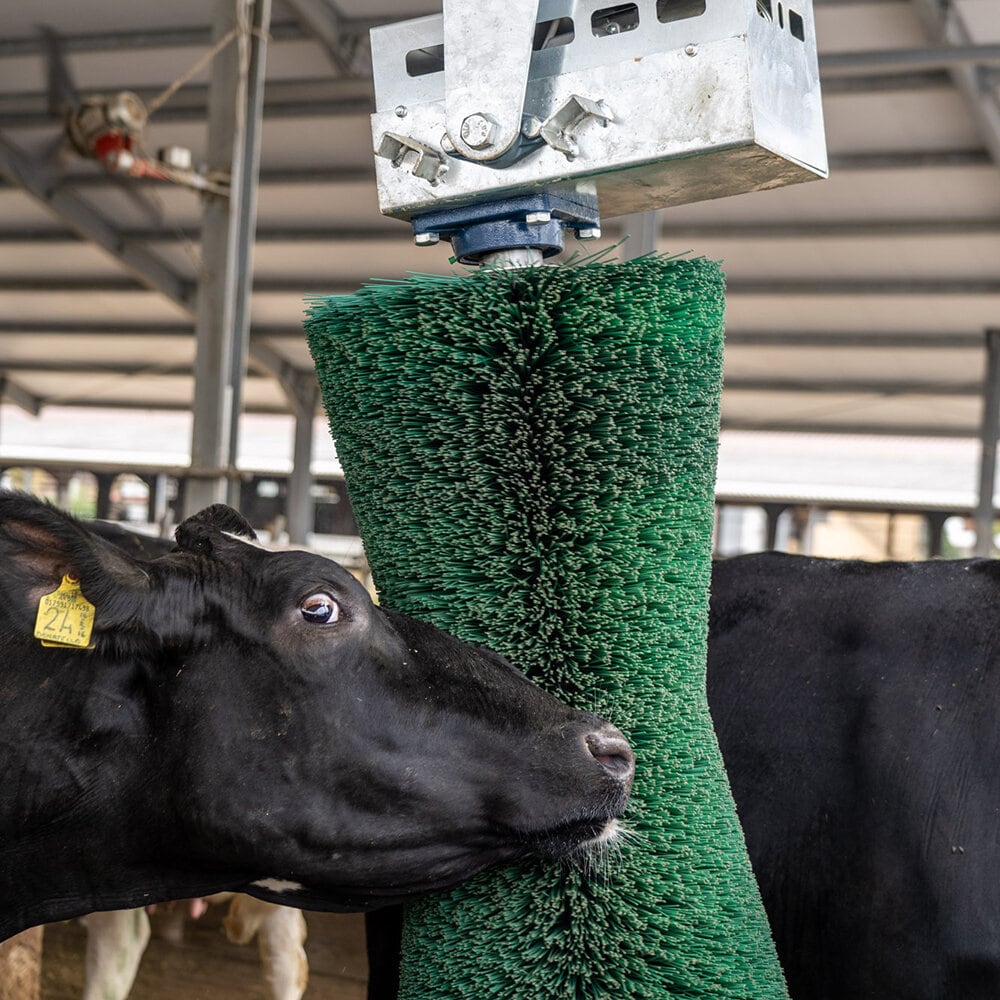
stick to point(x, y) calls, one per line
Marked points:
point(183, 406)
point(322, 98)
point(788, 425)
point(802, 229)
point(945, 25)
point(911, 160)
point(127, 368)
point(331, 97)
point(20, 169)
point(896, 160)
point(736, 338)
point(12, 392)
point(116, 329)
point(186, 36)
point(905, 60)
point(858, 287)
point(272, 175)
point(735, 286)
point(855, 341)
point(771, 287)
point(326, 24)
point(885, 83)
point(853, 386)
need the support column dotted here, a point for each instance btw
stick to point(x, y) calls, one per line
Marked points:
point(300, 502)
point(772, 511)
point(105, 480)
point(642, 229)
point(988, 446)
point(935, 533)
point(228, 226)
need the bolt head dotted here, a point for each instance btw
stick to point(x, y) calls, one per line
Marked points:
point(593, 233)
point(401, 111)
point(536, 218)
point(426, 239)
point(691, 50)
point(479, 131)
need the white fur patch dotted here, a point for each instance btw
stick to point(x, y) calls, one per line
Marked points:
point(279, 885)
point(608, 835)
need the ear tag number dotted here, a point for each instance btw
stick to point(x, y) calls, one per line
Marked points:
point(65, 617)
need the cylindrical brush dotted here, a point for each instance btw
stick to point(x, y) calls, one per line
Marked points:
point(531, 458)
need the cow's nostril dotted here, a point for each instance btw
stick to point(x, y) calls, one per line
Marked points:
point(611, 750)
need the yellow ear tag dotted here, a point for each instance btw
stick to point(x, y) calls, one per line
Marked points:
point(65, 617)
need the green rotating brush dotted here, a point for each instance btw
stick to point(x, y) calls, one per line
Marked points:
point(530, 451)
point(531, 457)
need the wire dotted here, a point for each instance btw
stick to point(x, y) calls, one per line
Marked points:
point(169, 91)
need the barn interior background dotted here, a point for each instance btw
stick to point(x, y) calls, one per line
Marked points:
point(860, 412)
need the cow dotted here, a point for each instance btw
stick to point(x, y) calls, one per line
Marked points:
point(117, 939)
point(856, 706)
point(857, 709)
point(237, 719)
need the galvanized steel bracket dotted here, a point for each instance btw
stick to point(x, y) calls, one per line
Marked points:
point(708, 98)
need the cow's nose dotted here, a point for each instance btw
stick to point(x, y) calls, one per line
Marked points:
point(611, 750)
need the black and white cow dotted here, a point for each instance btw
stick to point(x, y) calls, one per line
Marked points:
point(249, 720)
point(858, 709)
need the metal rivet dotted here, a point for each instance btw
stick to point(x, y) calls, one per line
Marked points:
point(691, 50)
point(401, 111)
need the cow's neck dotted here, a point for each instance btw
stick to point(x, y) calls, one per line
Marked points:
point(86, 819)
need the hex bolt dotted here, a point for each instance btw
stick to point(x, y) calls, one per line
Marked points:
point(426, 239)
point(588, 234)
point(536, 218)
point(479, 131)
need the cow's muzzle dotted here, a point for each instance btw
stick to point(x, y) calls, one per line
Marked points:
point(611, 750)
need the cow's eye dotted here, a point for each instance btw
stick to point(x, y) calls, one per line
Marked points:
point(320, 609)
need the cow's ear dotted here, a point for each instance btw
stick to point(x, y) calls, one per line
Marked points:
point(40, 544)
point(201, 532)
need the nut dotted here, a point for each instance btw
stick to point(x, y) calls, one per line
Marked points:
point(479, 131)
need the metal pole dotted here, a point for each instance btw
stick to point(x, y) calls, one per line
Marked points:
point(300, 503)
point(988, 447)
point(642, 229)
point(224, 287)
point(246, 219)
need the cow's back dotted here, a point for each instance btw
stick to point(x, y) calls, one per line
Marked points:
point(858, 710)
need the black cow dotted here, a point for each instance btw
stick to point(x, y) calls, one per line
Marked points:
point(858, 710)
point(250, 720)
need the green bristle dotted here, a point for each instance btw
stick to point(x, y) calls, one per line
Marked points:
point(531, 458)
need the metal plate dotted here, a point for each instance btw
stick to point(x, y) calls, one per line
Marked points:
point(734, 107)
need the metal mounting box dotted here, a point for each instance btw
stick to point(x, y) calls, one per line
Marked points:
point(651, 103)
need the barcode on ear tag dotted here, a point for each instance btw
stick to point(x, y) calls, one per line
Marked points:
point(65, 617)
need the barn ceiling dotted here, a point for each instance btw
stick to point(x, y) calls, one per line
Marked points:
point(859, 303)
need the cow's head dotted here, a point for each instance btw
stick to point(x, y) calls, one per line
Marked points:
point(300, 739)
